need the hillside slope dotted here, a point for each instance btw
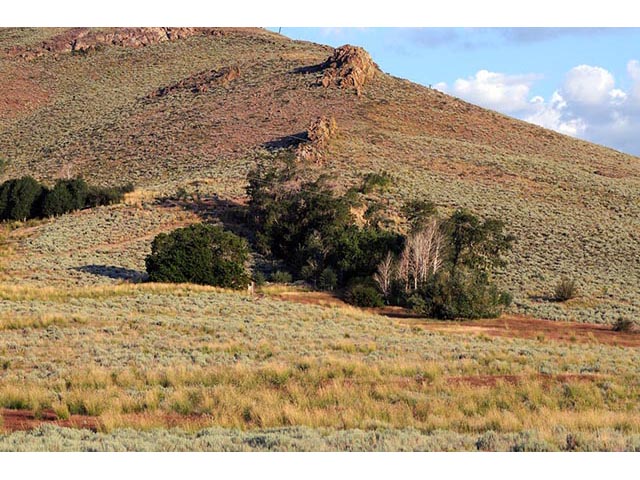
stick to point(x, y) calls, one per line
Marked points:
point(159, 110)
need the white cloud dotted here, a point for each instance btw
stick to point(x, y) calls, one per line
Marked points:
point(553, 115)
point(587, 85)
point(633, 69)
point(498, 91)
point(587, 104)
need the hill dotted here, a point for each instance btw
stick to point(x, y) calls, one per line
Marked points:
point(184, 114)
point(195, 108)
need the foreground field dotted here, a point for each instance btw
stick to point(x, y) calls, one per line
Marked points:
point(54, 439)
point(153, 357)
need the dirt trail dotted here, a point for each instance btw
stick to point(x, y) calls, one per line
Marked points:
point(13, 420)
point(508, 325)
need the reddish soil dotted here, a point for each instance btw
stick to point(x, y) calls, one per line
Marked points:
point(512, 326)
point(20, 94)
point(13, 420)
point(492, 380)
point(520, 326)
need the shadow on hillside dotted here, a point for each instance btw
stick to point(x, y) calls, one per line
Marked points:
point(118, 273)
point(232, 214)
point(287, 141)
point(311, 68)
point(543, 298)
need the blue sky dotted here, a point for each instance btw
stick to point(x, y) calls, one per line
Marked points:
point(583, 82)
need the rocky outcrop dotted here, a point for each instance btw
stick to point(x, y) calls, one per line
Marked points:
point(84, 40)
point(201, 82)
point(319, 134)
point(348, 67)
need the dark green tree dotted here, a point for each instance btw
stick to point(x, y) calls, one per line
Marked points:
point(202, 254)
point(21, 199)
point(66, 196)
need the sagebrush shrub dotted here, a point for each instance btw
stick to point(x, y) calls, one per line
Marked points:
point(566, 289)
point(624, 325)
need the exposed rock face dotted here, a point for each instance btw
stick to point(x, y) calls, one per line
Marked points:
point(348, 67)
point(83, 40)
point(319, 134)
point(201, 82)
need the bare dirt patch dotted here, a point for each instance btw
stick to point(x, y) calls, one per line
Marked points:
point(493, 380)
point(520, 326)
point(13, 420)
point(508, 325)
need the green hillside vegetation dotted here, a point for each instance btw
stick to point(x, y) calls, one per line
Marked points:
point(572, 205)
point(405, 202)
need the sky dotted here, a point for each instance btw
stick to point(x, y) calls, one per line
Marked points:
point(583, 82)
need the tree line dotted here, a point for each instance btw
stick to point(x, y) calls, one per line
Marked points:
point(25, 198)
point(440, 266)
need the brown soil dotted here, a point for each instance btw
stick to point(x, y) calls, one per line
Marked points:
point(20, 94)
point(508, 325)
point(492, 380)
point(13, 420)
point(520, 326)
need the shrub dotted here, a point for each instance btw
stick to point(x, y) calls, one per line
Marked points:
point(97, 196)
point(467, 252)
point(311, 228)
point(281, 276)
point(200, 253)
point(21, 199)
point(461, 295)
point(328, 280)
point(566, 289)
point(418, 212)
point(66, 196)
point(374, 181)
point(25, 198)
point(259, 279)
point(624, 325)
point(363, 295)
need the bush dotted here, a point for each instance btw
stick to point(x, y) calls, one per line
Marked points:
point(25, 198)
point(310, 228)
point(259, 279)
point(328, 280)
point(566, 289)
point(374, 181)
point(281, 277)
point(21, 199)
point(97, 196)
point(624, 325)
point(202, 254)
point(363, 295)
point(66, 196)
point(465, 295)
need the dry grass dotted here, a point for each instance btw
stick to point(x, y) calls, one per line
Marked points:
point(156, 355)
